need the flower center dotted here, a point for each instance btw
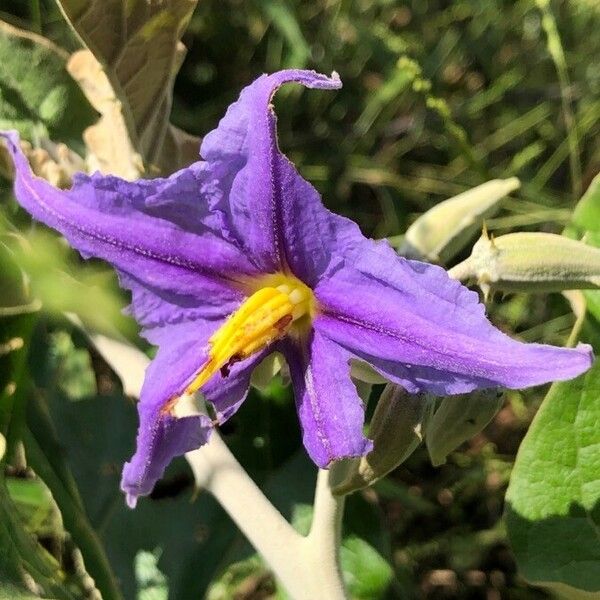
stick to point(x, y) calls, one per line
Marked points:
point(281, 306)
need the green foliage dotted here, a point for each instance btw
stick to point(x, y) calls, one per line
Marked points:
point(586, 215)
point(586, 218)
point(366, 573)
point(137, 44)
point(438, 98)
point(553, 501)
point(37, 95)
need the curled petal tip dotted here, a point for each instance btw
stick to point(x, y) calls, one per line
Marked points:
point(12, 139)
point(588, 351)
point(310, 79)
point(131, 500)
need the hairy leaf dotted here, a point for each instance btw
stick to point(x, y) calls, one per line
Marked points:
point(37, 96)
point(137, 45)
point(553, 501)
point(586, 218)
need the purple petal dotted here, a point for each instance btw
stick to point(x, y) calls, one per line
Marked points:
point(277, 215)
point(154, 308)
point(330, 411)
point(227, 392)
point(425, 331)
point(159, 231)
point(162, 437)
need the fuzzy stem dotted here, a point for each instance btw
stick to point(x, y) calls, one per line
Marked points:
point(324, 539)
point(306, 566)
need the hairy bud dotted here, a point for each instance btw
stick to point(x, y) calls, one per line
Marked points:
point(458, 419)
point(530, 262)
point(396, 430)
point(443, 231)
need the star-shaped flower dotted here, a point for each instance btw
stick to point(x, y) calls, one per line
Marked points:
point(236, 257)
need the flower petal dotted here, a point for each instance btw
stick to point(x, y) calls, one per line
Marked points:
point(227, 392)
point(330, 410)
point(425, 331)
point(159, 231)
point(161, 436)
point(154, 308)
point(268, 206)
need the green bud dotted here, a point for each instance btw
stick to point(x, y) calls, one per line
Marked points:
point(396, 430)
point(444, 230)
point(458, 419)
point(530, 262)
point(365, 372)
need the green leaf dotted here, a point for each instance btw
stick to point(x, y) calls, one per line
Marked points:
point(366, 573)
point(17, 318)
point(35, 506)
point(249, 574)
point(20, 554)
point(45, 455)
point(137, 44)
point(13, 592)
point(586, 218)
point(151, 581)
point(63, 284)
point(587, 212)
point(553, 500)
point(37, 95)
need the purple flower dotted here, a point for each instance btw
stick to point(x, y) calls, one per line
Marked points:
point(236, 257)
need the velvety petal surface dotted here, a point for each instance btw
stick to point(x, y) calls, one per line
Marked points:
point(183, 349)
point(161, 436)
point(227, 392)
point(266, 205)
point(159, 232)
point(330, 410)
point(425, 331)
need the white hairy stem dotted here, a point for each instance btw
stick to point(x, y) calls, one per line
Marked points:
point(306, 566)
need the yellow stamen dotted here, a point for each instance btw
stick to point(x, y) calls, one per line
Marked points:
point(267, 315)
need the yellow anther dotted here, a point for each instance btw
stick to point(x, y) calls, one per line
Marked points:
point(267, 315)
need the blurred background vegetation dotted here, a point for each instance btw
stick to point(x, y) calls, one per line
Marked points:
point(438, 96)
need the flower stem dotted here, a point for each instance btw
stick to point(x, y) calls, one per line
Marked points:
point(324, 539)
point(307, 567)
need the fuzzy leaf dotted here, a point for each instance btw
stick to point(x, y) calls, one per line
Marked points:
point(443, 231)
point(137, 44)
point(37, 96)
point(553, 501)
point(587, 211)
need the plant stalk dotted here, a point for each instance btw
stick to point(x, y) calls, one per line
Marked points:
point(307, 567)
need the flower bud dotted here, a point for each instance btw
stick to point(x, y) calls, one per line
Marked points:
point(443, 231)
point(362, 371)
point(396, 430)
point(530, 262)
point(2, 446)
point(458, 419)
